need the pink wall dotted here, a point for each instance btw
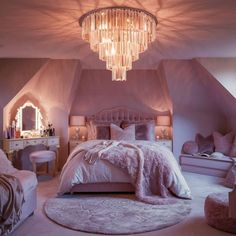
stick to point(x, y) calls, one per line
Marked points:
point(144, 91)
point(224, 70)
point(194, 103)
point(14, 74)
point(199, 103)
point(53, 87)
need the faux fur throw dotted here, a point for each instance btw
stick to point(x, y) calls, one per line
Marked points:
point(153, 169)
point(11, 199)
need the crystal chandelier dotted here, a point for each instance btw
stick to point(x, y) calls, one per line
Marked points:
point(118, 34)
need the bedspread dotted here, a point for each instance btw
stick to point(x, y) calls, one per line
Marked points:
point(152, 168)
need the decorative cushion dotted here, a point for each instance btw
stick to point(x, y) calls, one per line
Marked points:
point(143, 130)
point(118, 133)
point(217, 155)
point(99, 130)
point(190, 147)
point(233, 148)
point(223, 143)
point(103, 132)
point(205, 144)
point(5, 165)
point(216, 212)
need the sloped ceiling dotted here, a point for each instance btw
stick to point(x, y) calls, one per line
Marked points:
point(224, 70)
point(49, 29)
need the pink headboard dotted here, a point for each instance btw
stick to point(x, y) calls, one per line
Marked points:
point(117, 114)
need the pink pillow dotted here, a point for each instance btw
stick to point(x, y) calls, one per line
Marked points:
point(190, 147)
point(233, 148)
point(102, 132)
point(144, 130)
point(118, 133)
point(223, 143)
point(205, 144)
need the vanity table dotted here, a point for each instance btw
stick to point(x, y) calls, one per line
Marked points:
point(12, 145)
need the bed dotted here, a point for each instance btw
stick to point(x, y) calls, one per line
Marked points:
point(117, 165)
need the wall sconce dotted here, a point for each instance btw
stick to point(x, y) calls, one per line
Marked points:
point(77, 121)
point(164, 121)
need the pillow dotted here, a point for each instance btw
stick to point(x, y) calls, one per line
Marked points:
point(118, 133)
point(102, 132)
point(90, 130)
point(98, 130)
point(233, 149)
point(205, 144)
point(190, 147)
point(143, 130)
point(5, 165)
point(223, 143)
point(217, 155)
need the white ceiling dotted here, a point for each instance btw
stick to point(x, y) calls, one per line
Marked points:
point(49, 29)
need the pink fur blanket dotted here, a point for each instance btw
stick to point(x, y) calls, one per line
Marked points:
point(152, 168)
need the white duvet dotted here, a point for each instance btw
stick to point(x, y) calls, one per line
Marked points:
point(138, 162)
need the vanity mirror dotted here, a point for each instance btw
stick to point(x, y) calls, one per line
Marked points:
point(29, 119)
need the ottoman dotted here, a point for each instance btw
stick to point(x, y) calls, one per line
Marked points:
point(217, 212)
point(41, 157)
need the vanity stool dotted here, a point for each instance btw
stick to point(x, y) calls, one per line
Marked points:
point(42, 157)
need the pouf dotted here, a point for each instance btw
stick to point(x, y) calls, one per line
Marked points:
point(41, 157)
point(217, 212)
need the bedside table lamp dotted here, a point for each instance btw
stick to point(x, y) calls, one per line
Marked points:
point(77, 121)
point(164, 122)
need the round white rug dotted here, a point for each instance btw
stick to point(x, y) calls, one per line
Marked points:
point(113, 214)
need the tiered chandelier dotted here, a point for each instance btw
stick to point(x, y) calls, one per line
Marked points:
point(118, 34)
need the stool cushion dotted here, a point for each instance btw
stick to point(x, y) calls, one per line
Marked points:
point(42, 156)
point(217, 211)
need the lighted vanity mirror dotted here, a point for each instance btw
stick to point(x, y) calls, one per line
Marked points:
point(28, 118)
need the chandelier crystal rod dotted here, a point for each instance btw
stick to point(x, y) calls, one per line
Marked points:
point(119, 35)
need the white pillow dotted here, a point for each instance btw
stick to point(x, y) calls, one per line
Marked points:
point(118, 133)
point(217, 155)
point(5, 165)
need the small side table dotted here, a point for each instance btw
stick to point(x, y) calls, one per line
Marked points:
point(74, 143)
point(165, 142)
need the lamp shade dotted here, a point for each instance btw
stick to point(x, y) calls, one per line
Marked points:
point(77, 120)
point(163, 120)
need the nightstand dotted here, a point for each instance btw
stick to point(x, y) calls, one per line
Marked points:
point(74, 143)
point(165, 142)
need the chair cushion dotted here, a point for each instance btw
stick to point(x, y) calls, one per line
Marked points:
point(27, 179)
point(42, 156)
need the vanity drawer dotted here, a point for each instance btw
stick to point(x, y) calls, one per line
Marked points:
point(15, 145)
point(53, 141)
point(35, 142)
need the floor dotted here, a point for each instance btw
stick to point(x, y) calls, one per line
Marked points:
point(194, 225)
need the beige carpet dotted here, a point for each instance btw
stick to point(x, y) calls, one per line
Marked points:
point(114, 214)
point(193, 225)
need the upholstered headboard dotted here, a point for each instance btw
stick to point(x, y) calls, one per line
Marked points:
point(117, 114)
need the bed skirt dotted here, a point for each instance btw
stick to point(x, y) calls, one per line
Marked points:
point(102, 187)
